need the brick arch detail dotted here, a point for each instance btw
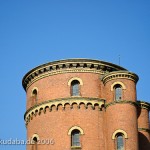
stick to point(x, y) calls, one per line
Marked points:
point(34, 88)
point(119, 131)
point(120, 83)
point(74, 128)
point(35, 135)
point(75, 78)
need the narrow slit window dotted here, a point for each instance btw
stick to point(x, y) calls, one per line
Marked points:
point(75, 138)
point(35, 140)
point(34, 95)
point(75, 88)
point(120, 142)
point(118, 92)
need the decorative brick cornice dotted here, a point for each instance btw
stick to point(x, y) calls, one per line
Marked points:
point(121, 102)
point(144, 129)
point(41, 107)
point(140, 104)
point(120, 74)
point(67, 66)
point(144, 105)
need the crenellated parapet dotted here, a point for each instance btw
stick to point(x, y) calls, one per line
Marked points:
point(68, 66)
point(51, 105)
point(120, 74)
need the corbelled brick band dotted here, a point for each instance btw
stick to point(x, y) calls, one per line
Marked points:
point(96, 111)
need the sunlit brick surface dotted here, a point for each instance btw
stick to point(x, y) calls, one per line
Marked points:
point(95, 111)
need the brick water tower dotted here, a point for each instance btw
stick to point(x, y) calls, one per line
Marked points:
point(83, 104)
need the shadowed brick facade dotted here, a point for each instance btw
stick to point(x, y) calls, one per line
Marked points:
point(96, 114)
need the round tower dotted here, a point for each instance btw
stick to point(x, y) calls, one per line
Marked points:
point(81, 104)
point(144, 125)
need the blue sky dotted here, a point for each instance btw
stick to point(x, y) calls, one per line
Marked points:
point(33, 32)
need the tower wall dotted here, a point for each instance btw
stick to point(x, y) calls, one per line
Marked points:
point(125, 120)
point(55, 125)
point(56, 87)
point(144, 126)
point(56, 111)
point(129, 93)
point(53, 112)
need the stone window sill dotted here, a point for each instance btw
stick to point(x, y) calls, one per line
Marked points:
point(75, 147)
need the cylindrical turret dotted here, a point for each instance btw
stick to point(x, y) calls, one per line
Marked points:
point(144, 125)
point(121, 110)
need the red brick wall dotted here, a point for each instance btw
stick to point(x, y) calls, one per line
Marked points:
point(128, 94)
point(122, 116)
point(56, 86)
point(98, 126)
point(56, 124)
point(143, 122)
point(143, 118)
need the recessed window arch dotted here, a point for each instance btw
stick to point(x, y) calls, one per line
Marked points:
point(117, 88)
point(75, 138)
point(35, 94)
point(120, 83)
point(120, 142)
point(75, 88)
point(119, 136)
point(75, 127)
point(35, 139)
point(118, 92)
point(75, 78)
point(75, 132)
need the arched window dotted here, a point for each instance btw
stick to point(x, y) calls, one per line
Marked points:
point(75, 138)
point(34, 95)
point(75, 88)
point(34, 146)
point(118, 92)
point(119, 141)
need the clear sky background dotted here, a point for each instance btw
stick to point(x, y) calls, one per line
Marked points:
point(33, 32)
